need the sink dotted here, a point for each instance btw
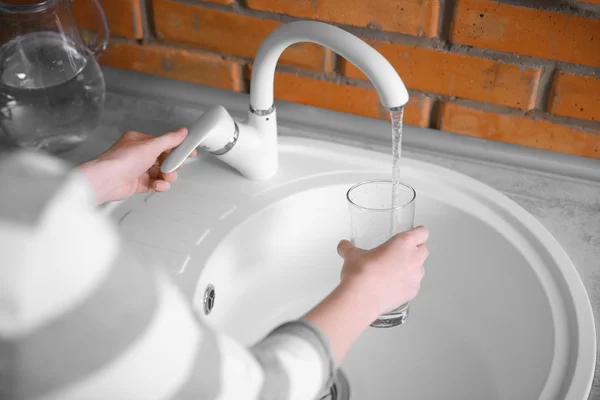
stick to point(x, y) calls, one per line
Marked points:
point(502, 313)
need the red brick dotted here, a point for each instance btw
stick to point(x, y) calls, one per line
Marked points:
point(124, 17)
point(345, 98)
point(538, 33)
point(413, 17)
point(459, 75)
point(229, 33)
point(174, 63)
point(575, 96)
point(519, 130)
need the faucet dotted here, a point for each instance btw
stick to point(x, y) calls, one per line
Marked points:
point(251, 147)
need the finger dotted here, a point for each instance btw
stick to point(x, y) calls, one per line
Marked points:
point(170, 177)
point(169, 140)
point(161, 186)
point(154, 171)
point(144, 184)
point(344, 247)
point(418, 235)
point(422, 272)
point(135, 136)
point(193, 153)
point(161, 158)
point(423, 251)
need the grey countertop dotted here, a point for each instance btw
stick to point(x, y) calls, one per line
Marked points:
point(563, 192)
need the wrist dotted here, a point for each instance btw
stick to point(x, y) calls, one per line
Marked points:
point(362, 299)
point(342, 317)
point(369, 294)
point(98, 177)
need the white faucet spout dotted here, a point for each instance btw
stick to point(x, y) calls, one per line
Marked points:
point(383, 76)
point(251, 147)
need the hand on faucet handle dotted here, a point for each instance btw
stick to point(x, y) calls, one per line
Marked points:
point(132, 165)
point(213, 130)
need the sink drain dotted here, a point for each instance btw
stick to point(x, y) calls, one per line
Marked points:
point(209, 299)
point(340, 390)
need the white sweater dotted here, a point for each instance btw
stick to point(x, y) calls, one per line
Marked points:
point(81, 318)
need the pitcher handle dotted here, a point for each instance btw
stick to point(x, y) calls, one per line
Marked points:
point(100, 40)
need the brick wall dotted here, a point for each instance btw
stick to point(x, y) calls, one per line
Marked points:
point(517, 71)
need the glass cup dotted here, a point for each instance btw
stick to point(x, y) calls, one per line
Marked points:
point(374, 220)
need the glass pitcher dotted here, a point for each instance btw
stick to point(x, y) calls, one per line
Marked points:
point(51, 86)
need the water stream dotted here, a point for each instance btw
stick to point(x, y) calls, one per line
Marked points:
point(396, 116)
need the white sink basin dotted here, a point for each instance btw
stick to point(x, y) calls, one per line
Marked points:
point(502, 313)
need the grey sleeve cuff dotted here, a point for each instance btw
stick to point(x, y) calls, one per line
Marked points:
point(313, 335)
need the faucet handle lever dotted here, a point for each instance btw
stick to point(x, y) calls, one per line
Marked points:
point(214, 130)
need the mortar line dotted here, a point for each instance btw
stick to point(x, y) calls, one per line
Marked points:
point(544, 87)
point(448, 12)
point(147, 20)
point(435, 116)
point(560, 7)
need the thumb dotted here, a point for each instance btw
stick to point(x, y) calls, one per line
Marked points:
point(344, 248)
point(170, 140)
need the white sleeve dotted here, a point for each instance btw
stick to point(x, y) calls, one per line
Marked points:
point(81, 318)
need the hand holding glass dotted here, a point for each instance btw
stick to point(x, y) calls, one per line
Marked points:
point(374, 220)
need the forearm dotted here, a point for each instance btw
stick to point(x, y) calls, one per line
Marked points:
point(342, 317)
point(304, 354)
